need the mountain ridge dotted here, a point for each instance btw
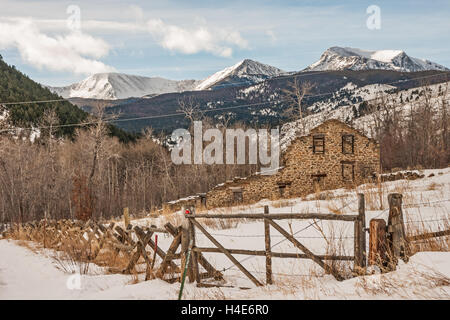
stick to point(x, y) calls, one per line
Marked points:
point(346, 58)
point(248, 70)
point(113, 86)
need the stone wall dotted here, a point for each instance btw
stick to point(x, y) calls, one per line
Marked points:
point(306, 172)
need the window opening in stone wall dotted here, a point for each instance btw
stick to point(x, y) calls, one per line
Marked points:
point(348, 171)
point(319, 144)
point(318, 181)
point(237, 196)
point(348, 144)
point(282, 190)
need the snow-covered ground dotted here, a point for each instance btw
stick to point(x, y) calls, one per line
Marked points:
point(426, 206)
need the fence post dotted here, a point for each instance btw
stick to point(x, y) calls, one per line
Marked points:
point(187, 243)
point(268, 248)
point(184, 239)
point(195, 273)
point(377, 243)
point(362, 228)
point(359, 240)
point(126, 217)
point(396, 231)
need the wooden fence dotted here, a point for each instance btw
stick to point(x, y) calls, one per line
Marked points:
point(134, 243)
point(387, 242)
point(192, 223)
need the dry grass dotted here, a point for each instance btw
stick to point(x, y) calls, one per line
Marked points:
point(75, 255)
point(174, 219)
point(324, 196)
point(334, 208)
point(115, 261)
point(32, 246)
point(431, 244)
point(418, 285)
point(73, 249)
point(214, 293)
point(374, 194)
point(283, 204)
point(74, 260)
point(434, 186)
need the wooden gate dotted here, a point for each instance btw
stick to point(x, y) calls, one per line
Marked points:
point(191, 223)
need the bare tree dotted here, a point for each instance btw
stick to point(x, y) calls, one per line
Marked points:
point(295, 94)
point(190, 108)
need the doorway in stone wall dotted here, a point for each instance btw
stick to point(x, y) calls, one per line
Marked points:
point(282, 189)
point(237, 195)
point(318, 181)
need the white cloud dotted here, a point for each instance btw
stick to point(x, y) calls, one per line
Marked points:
point(271, 35)
point(136, 12)
point(74, 52)
point(201, 38)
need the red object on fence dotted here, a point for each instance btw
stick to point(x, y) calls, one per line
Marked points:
point(187, 211)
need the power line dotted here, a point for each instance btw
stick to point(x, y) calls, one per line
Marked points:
point(152, 117)
point(33, 102)
point(174, 114)
point(275, 78)
point(297, 75)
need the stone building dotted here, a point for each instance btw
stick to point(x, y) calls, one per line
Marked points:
point(333, 155)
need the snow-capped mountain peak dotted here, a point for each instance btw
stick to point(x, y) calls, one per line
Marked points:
point(245, 71)
point(341, 58)
point(112, 86)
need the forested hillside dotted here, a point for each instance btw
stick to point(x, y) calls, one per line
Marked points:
point(17, 87)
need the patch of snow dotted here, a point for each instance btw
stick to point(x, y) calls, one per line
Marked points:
point(112, 86)
point(248, 70)
point(28, 275)
point(341, 58)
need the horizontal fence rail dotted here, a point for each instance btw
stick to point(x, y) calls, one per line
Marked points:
point(193, 221)
point(388, 242)
point(274, 254)
point(276, 216)
point(429, 235)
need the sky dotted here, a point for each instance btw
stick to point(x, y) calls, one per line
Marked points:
point(61, 42)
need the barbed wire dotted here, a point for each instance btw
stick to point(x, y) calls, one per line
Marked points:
point(275, 273)
point(316, 237)
point(272, 246)
point(412, 205)
point(429, 202)
point(427, 241)
point(429, 220)
point(272, 236)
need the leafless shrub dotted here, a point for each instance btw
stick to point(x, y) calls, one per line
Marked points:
point(74, 257)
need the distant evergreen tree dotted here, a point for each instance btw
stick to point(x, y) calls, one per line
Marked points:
point(355, 112)
point(363, 108)
point(17, 87)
